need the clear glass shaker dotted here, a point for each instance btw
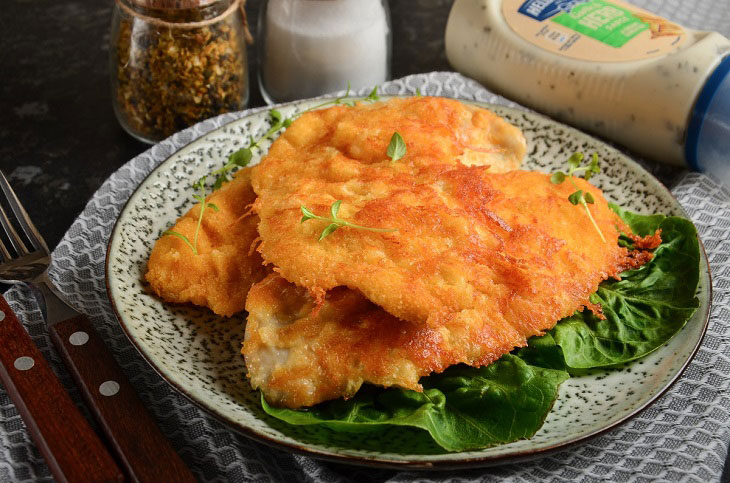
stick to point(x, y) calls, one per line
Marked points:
point(176, 62)
point(311, 47)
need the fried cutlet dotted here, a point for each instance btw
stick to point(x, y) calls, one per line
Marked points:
point(300, 354)
point(226, 266)
point(469, 244)
point(436, 131)
point(480, 263)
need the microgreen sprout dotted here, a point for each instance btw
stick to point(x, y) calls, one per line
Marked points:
point(579, 196)
point(199, 185)
point(242, 157)
point(396, 148)
point(336, 222)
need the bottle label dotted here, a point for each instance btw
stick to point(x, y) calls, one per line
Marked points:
point(594, 30)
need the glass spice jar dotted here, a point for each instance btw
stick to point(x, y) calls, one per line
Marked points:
point(176, 62)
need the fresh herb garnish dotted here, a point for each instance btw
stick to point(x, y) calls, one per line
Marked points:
point(396, 148)
point(337, 222)
point(579, 196)
point(199, 185)
point(241, 157)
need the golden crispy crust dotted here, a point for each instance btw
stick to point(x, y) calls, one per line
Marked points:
point(220, 276)
point(491, 259)
point(480, 262)
point(469, 243)
point(436, 131)
point(299, 354)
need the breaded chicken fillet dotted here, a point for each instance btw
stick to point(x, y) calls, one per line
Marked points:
point(226, 266)
point(436, 130)
point(300, 354)
point(492, 258)
point(225, 270)
point(481, 262)
point(469, 243)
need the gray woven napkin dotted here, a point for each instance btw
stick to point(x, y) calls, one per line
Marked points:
point(684, 435)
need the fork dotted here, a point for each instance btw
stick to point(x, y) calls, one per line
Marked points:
point(67, 442)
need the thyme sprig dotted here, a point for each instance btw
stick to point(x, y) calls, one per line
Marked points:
point(201, 186)
point(579, 196)
point(242, 157)
point(337, 222)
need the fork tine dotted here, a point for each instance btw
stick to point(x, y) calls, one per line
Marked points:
point(36, 240)
point(13, 236)
point(4, 252)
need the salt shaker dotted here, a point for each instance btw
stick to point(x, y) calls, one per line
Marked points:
point(176, 62)
point(311, 47)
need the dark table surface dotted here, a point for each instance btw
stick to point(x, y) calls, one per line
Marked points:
point(59, 139)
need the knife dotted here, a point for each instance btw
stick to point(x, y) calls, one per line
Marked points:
point(143, 452)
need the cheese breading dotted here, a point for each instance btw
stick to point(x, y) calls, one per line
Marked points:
point(469, 243)
point(436, 131)
point(481, 262)
point(226, 265)
point(220, 277)
point(300, 354)
point(483, 258)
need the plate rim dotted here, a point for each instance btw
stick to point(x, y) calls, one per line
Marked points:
point(464, 463)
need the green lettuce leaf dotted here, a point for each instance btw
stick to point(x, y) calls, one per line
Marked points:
point(463, 408)
point(645, 308)
point(543, 351)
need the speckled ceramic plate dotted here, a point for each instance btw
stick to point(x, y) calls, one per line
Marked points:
point(198, 353)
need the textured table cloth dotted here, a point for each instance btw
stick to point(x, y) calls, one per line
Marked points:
point(683, 436)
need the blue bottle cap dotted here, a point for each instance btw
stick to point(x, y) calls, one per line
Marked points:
point(707, 148)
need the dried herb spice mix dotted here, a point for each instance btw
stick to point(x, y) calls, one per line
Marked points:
point(174, 65)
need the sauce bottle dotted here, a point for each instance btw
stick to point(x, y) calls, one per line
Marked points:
point(606, 66)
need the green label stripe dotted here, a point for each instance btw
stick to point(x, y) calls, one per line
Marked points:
point(603, 21)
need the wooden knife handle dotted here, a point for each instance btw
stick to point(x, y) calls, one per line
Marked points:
point(141, 448)
point(72, 449)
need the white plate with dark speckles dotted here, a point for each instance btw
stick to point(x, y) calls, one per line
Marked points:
point(199, 353)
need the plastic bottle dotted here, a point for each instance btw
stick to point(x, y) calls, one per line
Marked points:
point(607, 67)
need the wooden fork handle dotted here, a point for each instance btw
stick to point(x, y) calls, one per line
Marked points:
point(141, 448)
point(72, 449)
